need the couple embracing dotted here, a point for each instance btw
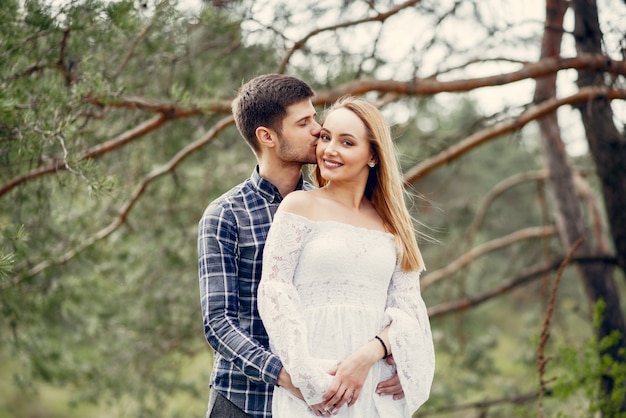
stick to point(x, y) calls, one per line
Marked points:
point(310, 294)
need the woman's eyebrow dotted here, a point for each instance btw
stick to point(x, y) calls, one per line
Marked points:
point(341, 134)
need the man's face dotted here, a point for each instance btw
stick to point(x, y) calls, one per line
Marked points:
point(300, 132)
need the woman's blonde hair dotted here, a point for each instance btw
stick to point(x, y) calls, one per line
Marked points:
point(384, 184)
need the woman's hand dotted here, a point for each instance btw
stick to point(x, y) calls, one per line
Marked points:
point(350, 375)
point(320, 410)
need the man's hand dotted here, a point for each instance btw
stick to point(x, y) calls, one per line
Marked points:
point(284, 380)
point(392, 385)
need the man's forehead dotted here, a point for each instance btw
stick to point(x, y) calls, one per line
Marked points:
point(300, 110)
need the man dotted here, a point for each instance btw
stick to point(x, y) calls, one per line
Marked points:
point(276, 117)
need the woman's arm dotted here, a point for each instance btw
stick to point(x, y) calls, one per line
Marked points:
point(281, 309)
point(410, 337)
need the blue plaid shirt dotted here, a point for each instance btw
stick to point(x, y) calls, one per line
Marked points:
point(231, 237)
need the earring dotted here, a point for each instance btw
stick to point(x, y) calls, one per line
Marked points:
point(371, 164)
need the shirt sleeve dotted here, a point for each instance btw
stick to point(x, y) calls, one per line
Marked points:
point(281, 309)
point(410, 337)
point(219, 297)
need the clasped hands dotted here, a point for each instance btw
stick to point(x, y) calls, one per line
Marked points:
point(350, 375)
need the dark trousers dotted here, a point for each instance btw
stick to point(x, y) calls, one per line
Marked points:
point(220, 407)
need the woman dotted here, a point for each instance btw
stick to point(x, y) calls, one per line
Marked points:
point(339, 291)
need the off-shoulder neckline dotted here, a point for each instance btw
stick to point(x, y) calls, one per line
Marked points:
point(339, 223)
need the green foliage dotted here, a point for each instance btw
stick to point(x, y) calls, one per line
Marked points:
point(582, 371)
point(14, 239)
point(99, 304)
point(38, 15)
point(118, 324)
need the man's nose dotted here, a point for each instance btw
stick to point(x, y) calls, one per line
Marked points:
point(315, 131)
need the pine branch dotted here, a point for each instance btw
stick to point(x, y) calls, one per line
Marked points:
point(427, 86)
point(471, 255)
point(525, 276)
point(379, 17)
point(125, 210)
point(496, 191)
point(94, 152)
point(545, 329)
point(462, 147)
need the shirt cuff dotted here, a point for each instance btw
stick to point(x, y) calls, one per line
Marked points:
point(272, 369)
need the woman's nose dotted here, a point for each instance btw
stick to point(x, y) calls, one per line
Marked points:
point(329, 148)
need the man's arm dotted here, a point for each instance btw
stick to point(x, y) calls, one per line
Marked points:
point(219, 294)
point(284, 380)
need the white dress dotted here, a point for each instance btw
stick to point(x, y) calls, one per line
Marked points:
point(326, 289)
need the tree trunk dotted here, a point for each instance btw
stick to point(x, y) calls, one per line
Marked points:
point(608, 148)
point(606, 143)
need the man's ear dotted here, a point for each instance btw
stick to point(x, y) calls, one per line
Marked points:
point(265, 136)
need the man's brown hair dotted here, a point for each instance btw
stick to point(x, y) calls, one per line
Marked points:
point(263, 101)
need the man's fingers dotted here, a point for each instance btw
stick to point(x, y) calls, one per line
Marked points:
point(390, 386)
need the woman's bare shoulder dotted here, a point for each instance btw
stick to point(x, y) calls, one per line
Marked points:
point(300, 202)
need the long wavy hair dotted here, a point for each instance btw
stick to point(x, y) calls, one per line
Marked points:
point(384, 184)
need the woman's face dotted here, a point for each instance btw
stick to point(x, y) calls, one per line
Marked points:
point(343, 150)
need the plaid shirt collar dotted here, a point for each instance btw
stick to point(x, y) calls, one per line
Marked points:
point(267, 188)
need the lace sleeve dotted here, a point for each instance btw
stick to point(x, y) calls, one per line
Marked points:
point(280, 307)
point(410, 337)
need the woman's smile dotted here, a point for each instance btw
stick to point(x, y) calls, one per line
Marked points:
point(331, 164)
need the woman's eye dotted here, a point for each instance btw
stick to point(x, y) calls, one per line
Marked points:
point(324, 137)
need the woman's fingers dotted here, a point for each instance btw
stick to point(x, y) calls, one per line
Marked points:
point(354, 397)
point(320, 410)
point(341, 397)
point(337, 400)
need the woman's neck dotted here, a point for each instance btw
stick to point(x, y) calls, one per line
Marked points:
point(349, 196)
